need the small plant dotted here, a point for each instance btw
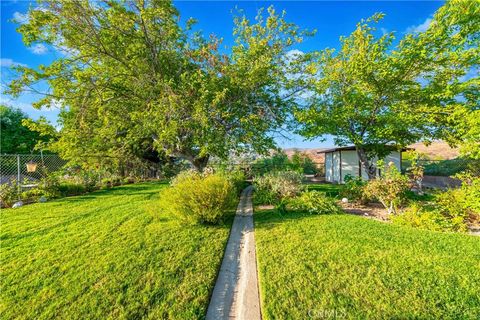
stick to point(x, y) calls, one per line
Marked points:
point(416, 171)
point(314, 202)
point(8, 194)
point(354, 189)
point(389, 188)
point(49, 186)
point(197, 198)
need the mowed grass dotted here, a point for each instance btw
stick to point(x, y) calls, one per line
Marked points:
point(107, 255)
point(349, 267)
point(330, 189)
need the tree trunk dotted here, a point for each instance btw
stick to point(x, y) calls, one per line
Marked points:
point(369, 167)
point(200, 162)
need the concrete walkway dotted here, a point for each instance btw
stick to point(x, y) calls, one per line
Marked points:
point(235, 295)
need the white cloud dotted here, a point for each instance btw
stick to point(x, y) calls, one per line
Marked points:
point(294, 53)
point(38, 49)
point(421, 27)
point(20, 17)
point(5, 62)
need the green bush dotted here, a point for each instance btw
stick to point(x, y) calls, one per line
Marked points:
point(49, 186)
point(197, 198)
point(354, 189)
point(275, 187)
point(451, 210)
point(299, 162)
point(429, 218)
point(8, 194)
point(389, 188)
point(67, 189)
point(32, 195)
point(314, 202)
point(237, 177)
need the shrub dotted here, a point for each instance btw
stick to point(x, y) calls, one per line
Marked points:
point(429, 218)
point(314, 202)
point(354, 189)
point(31, 195)
point(197, 198)
point(389, 188)
point(236, 176)
point(8, 194)
point(49, 186)
point(452, 210)
point(71, 189)
point(275, 187)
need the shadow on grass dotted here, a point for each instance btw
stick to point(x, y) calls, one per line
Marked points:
point(268, 219)
point(145, 189)
point(331, 190)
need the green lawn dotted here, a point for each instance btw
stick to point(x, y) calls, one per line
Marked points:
point(324, 265)
point(109, 254)
point(330, 189)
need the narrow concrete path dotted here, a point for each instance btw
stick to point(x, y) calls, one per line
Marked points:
point(235, 295)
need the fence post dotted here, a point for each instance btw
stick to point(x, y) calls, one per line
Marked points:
point(18, 168)
point(19, 191)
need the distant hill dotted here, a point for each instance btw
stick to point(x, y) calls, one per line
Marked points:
point(311, 153)
point(437, 150)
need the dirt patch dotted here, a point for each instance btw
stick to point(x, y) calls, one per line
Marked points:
point(369, 210)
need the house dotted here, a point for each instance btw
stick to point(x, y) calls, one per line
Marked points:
point(343, 161)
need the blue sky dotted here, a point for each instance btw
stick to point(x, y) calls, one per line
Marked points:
point(331, 19)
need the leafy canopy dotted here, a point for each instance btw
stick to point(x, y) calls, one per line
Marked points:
point(133, 79)
point(372, 94)
point(17, 134)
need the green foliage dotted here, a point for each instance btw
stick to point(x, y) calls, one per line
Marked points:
point(389, 188)
point(430, 219)
point(15, 137)
point(8, 194)
point(277, 186)
point(451, 210)
point(68, 189)
point(314, 202)
point(354, 189)
point(49, 186)
point(372, 93)
point(236, 177)
point(158, 84)
point(196, 198)
point(302, 163)
point(113, 242)
point(299, 162)
point(451, 167)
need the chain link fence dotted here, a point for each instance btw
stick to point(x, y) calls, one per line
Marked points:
point(446, 168)
point(28, 169)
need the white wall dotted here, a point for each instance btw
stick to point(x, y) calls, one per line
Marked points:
point(394, 157)
point(349, 163)
point(336, 166)
point(328, 167)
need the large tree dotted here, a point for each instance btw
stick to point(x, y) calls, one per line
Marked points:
point(17, 136)
point(133, 79)
point(375, 95)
